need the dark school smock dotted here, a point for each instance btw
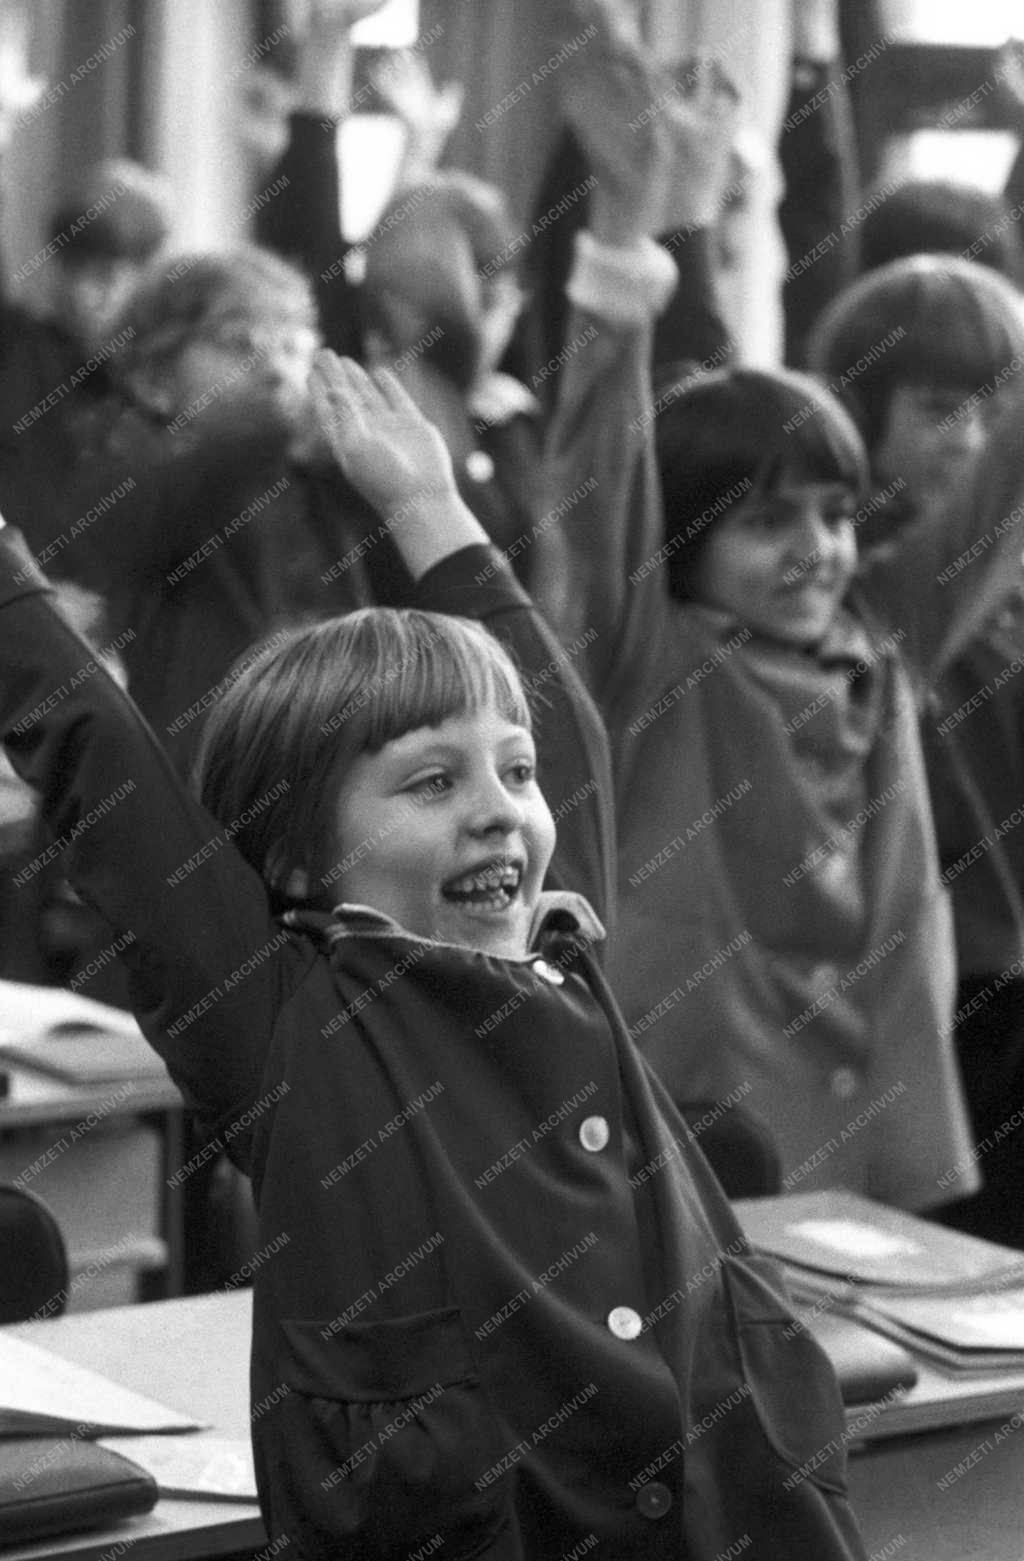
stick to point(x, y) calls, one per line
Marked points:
point(499, 1297)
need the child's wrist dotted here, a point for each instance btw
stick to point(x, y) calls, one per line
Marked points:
point(426, 503)
point(429, 528)
point(625, 283)
point(325, 76)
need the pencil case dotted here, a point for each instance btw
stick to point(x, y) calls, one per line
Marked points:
point(51, 1485)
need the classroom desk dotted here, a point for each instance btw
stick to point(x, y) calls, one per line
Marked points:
point(192, 1354)
point(905, 1512)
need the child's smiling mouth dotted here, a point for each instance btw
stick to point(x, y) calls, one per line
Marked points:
point(491, 886)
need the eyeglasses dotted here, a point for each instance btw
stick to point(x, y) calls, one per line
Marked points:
point(253, 339)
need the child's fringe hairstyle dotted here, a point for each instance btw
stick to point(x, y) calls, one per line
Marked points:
point(291, 722)
point(939, 216)
point(930, 320)
point(733, 435)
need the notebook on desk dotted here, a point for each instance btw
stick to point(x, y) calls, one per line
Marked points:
point(867, 1365)
point(52, 1487)
point(844, 1236)
point(951, 1305)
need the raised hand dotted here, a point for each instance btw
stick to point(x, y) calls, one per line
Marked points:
point(618, 19)
point(385, 446)
point(265, 101)
point(429, 113)
point(325, 51)
point(613, 95)
point(701, 118)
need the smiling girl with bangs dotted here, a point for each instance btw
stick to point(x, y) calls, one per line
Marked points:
point(471, 1327)
point(508, 1313)
point(307, 712)
point(783, 928)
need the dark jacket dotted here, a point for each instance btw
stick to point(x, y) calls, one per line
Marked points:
point(500, 1301)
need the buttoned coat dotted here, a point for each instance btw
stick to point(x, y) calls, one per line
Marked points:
point(783, 935)
point(501, 1307)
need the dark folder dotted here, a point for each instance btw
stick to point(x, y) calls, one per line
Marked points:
point(50, 1486)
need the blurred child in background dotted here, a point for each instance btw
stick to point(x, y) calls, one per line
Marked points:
point(927, 406)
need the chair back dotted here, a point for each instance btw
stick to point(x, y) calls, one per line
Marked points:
point(33, 1258)
point(738, 1147)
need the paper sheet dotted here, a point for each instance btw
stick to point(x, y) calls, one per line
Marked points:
point(200, 1465)
point(41, 1391)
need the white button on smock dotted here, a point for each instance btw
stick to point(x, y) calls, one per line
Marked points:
point(844, 1083)
point(594, 1134)
point(548, 972)
point(625, 1323)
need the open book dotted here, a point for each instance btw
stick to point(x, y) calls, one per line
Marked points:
point(42, 1393)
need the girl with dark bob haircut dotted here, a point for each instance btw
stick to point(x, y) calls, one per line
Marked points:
point(784, 936)
point(927, 320)
point(735, 433)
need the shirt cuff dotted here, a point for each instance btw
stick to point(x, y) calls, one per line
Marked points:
point(626, 286)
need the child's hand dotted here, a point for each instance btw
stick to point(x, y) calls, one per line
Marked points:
point(428, 113)
point(702, 119)
point(385, 446)
point(613, 94)
point(618, 19)
point(323, 76)
point(265, 102)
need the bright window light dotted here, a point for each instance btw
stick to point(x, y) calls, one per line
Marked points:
point(396, 26)
point(979, 157)
point(983, 23)
point(370, 150)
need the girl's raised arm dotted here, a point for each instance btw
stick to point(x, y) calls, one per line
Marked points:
point(298, 215)
point(603, 519)
point(205, 959)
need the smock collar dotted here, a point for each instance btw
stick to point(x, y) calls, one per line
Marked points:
point(561, 915)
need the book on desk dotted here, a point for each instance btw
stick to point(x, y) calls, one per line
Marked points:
point(43, 1396)
point(925, 1322)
